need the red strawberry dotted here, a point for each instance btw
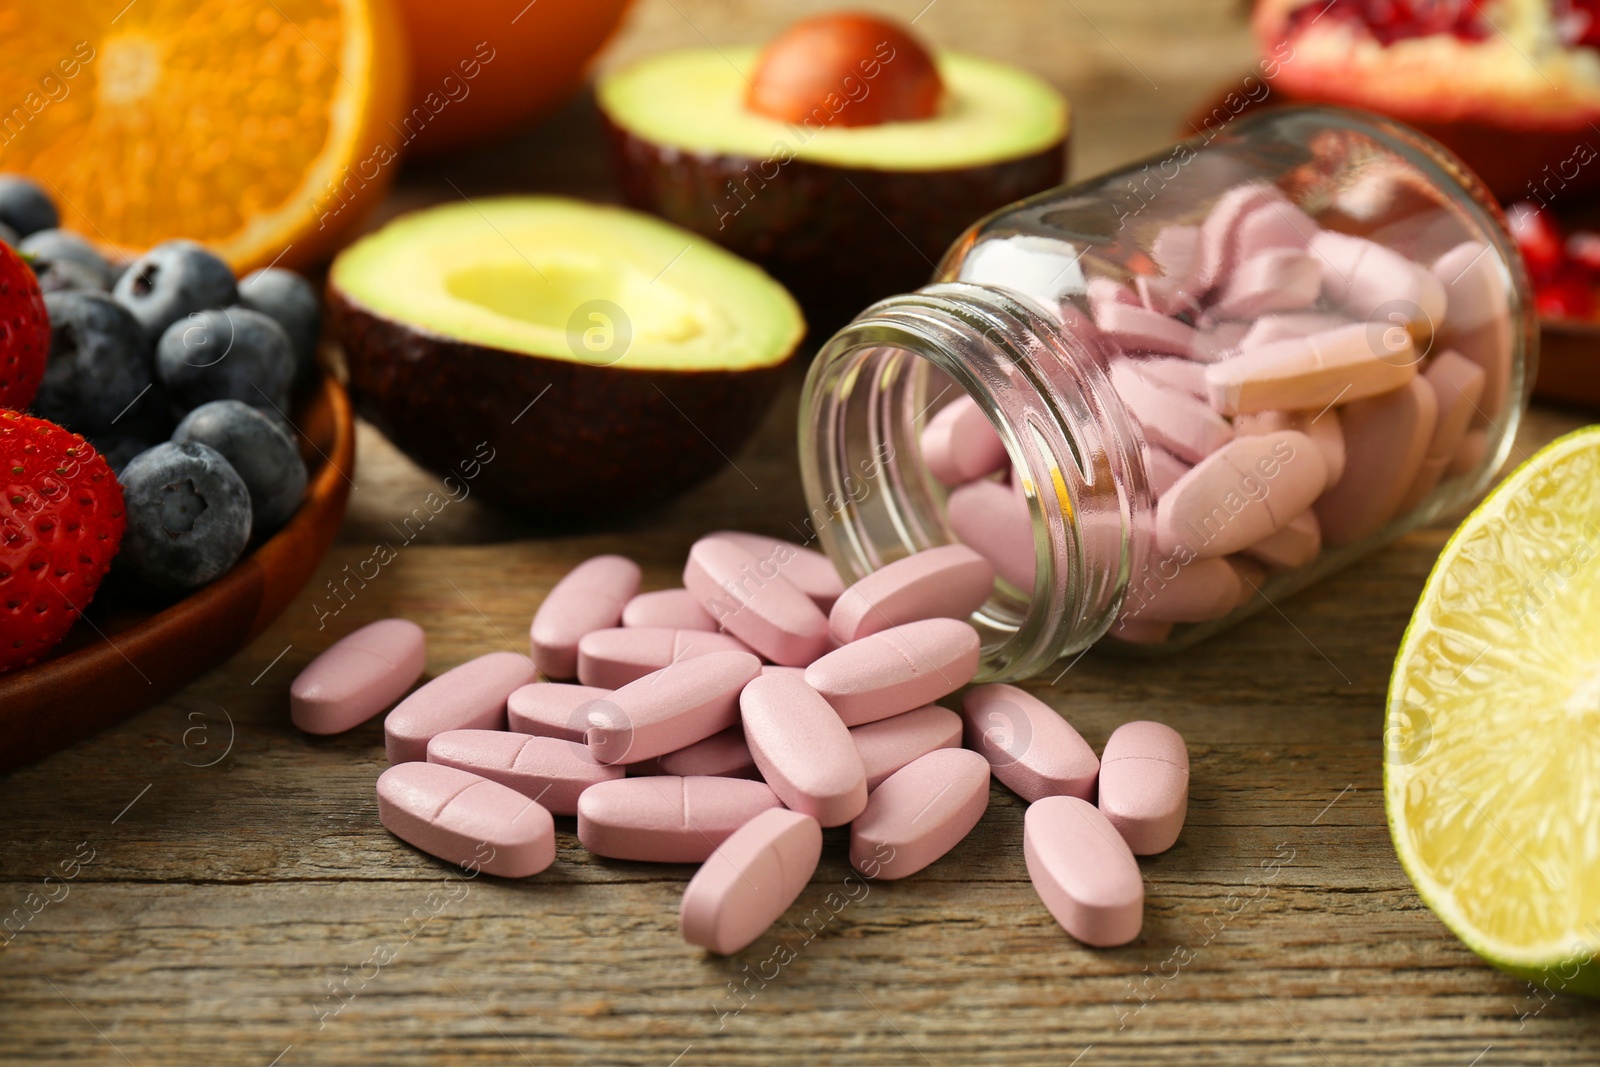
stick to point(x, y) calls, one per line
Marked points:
point(61, 520)
point(24, 331)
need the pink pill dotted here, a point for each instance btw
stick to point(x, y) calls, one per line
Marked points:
point(1386, 438)
point(1349, 363)
point(1144, 785)
point(1170, 372)
point(611, 659)
point(750, 599)
point(750, 880)
point(889, 744)
point(1276, 224)
point(959, 444)
point(358, 676)
point(722, 755)
point(806, 569)
point(678, 705)
point(1140, 631)
point(672, 609)
point(1083, 871)
point(1139, 329)
point(1195, 591)
point(464, 819)
point(1030, 747)
point(589, 598)
point(666, 819)
point(1102, 290)
point(547, 769)
point(919, 813)
point(1162, 470)
point(1216, 341)
point(469, 697)
point(996, 523)
point(896, 670)
point(1278, 279)
point(553, 709)
point(1477, 319)
point(1471, 453)
point(1239, 494)
point(1172, 420)
point(1457, 385)
point(1321, 426)
point(1270, 328)
point(950, 582)
point(1295, 545)
point(1367, 280)
point(1175, 250)
point(803, 749)
point(1219, 233)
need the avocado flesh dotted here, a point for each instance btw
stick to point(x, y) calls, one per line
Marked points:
point(842, 216)
point(455, 324)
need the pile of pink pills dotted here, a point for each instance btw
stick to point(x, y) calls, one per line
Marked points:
point(728, 722)
point(1296, 387)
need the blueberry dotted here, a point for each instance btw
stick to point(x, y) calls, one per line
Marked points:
point(262, 453)
point(99, 368)
point(65, 275)
point(25, 207)
point(188, 515)
point(46, 248)
point(174, 279)
point(231, 354)
point(288, 299)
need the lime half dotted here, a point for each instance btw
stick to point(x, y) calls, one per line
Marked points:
point(1492, 737)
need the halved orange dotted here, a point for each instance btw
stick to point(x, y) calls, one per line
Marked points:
point(263, 130)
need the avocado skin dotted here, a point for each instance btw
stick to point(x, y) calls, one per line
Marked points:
point(601, 443)
point(819, 229)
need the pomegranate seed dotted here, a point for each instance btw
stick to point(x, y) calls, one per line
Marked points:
point(1538, 238)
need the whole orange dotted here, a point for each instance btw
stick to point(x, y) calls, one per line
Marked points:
point(481, 68)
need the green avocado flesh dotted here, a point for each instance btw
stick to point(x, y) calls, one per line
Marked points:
point(567, 280)
point(694, 100)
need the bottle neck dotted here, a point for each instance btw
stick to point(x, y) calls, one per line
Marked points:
point(1043, 384)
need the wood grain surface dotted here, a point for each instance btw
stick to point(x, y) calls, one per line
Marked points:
point(204, 885)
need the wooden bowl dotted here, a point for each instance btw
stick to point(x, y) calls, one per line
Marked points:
point(120, 659)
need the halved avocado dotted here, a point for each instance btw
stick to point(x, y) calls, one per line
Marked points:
point(841, 214)
point(564, 359)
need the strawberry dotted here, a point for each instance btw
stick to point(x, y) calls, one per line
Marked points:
point(61, 521)
point(24, 331)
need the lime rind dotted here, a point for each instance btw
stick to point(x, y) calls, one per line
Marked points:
point(1492, 736)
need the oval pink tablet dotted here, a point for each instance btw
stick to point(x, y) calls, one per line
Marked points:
point(464, 819)
point(896, 670)
point(1270, 328)
point(959, 444)
point(1219, 243)
point(589, 598)
point(666, 819)
point(1333, 367)
point(1172, 420)
point(802, 749)
point(1295, 545)
point(948, 582)
point(1321, 426)
point(1083, 871)
point(1477, 319)
point(1386, 440)
point(722, 755)
point(750, 599)
point(806, 569)
point(1139, 329)
point(1162, 470)
point(1241, 493)
point(919, 813)
point(673, 609)
point(995, 522)
point(1033, 750)
point(1457, 385)
point(547, 769)
point(1170, 591)
point(553, 709)
point(469, 697)
point(1368, 280)
point(357, 676)
point(750, 880)
point(889, 744)
point(1277, 279)
point(611, 659)
point(670, 708)
point(1144, 785)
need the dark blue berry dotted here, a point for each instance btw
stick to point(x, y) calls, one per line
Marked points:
point(99, 367)
point(227, 354)
point(172, 280)
point(287, 299)
point(25, 207)
point(260, 451)
point(188, 515)
point(48, 248)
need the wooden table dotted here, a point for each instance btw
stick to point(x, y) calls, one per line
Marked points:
point(236, 901)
